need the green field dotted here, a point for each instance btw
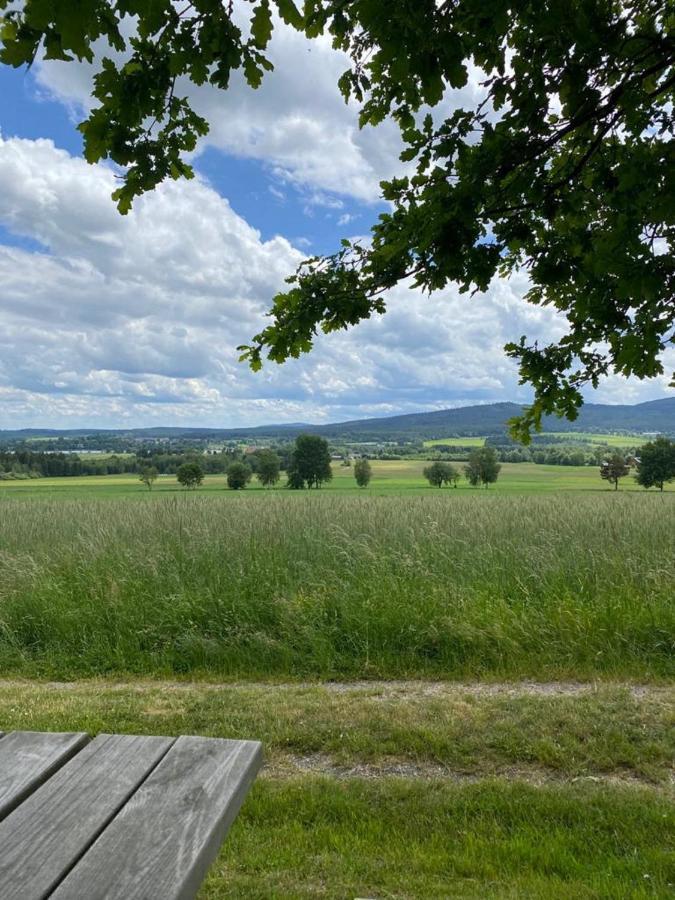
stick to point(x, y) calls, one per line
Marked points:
point(461, 693)
point(611, 440)
point(235, 584)
point(456, 442)
point(586, 437)
point(389, 477)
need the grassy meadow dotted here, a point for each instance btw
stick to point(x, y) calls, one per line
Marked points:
point(461, 693)
point(449, 583)
point(585, 437)
point(595, 437)
point(456, 442)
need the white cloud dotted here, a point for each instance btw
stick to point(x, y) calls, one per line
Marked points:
point(297, 122)
point(135, 320)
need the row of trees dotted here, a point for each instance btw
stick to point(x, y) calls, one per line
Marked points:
point(310, 467)
point(23, 463)
point(556, 453)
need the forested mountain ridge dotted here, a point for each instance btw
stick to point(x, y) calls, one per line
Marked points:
point(486, 419)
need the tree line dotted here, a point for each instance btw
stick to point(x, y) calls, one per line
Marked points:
point(307, 464)
point(310, 466)
point(25, 463)
point(30, 464)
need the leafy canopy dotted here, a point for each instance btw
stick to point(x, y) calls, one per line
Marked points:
point(190, 475)
point(362, 472)
point(657, 463)
point(564, 168)
point(148, 476)
point(238, 476)
point(482, 467)
point(267, 467)
point(440, 473)
point(310, 462)
point(614, 468)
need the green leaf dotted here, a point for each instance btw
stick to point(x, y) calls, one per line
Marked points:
point(253, 73)
point(290, 13)
point(261, 25)
point(123, 199)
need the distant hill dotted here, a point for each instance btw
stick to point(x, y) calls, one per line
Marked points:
point(492, 418)
point(466, 421)
point(654, 415)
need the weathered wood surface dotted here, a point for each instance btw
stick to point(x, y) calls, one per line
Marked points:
point(120, 817)
point(43, 838)
point(171, 829)
point(28, 758)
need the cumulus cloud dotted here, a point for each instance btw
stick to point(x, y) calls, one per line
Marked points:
point(297, 122)
point(135, 320)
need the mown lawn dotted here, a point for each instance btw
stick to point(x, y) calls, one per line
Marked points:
point(400, 838)
point(513, 791)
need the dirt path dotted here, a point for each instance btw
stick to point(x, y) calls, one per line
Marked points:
point(290, 765)
point(390, 728)
point(388, 689)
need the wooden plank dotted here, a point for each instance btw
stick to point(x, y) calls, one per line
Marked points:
point(162, 842)
point(28, 758)
point(46, 835)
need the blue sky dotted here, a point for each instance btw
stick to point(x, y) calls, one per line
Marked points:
point(262, 197)
point(111, 321)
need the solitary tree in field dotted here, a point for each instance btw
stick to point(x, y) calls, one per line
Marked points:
point(613, 469)
point(148, 476)
point(310, 461)
point(483, 467)
point(440, 473)
point(657, 463)
point(561, 167)
point(268, 467)
point(190, 475)
point(238, 476)
point(362, 472)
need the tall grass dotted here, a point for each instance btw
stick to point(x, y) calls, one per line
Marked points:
point(333, 586)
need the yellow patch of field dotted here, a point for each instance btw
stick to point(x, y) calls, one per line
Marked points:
point(588, 437)
point(456, 442)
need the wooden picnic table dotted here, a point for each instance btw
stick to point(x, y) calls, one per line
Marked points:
point(117, 816)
